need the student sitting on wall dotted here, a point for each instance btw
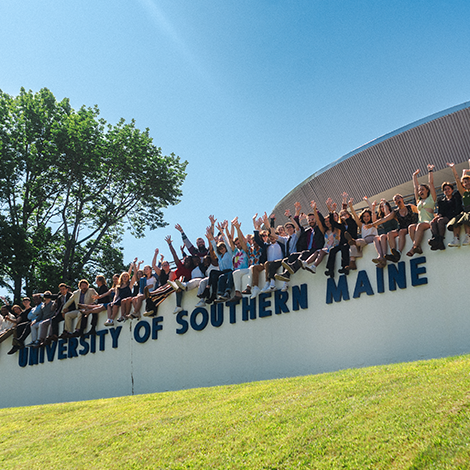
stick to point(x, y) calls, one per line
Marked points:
point(380, 241)
point(367, 234)
point(84, 295)
point(463, 185)
point(425, 195)
point(331, 234)
point(448, 207)
point(406, 215)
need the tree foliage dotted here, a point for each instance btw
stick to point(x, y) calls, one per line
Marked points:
point(70, 184)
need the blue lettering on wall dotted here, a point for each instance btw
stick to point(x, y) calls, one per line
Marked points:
point(248, 307)
point(84, 344)
point(23, 357)
point(139, 336)
point(416, 272)
point(217, 314)
point(204, 319)
point(33, 356)
point(181, 321)
point(338, 291)
point(299, 297)
point(156, 327)
point(280, 302)
point(379, 272)
point(396, 276)
point(362, 285)
point(73, 345)
point(62, 349)
point(264, 303)
point(93, 344)
point(232, 315)
point(101, 334)
point(115, 332)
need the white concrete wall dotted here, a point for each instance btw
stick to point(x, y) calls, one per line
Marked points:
point(421, 322)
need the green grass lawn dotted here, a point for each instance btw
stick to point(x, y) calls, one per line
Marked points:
point(413, 416)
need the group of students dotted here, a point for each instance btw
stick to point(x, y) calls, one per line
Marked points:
point(217, 271)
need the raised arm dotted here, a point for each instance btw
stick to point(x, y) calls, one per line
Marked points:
point(313, 204)
point(431, 182)
point(173, 251)
point(416, 185)
point(353, 213)
point(457, 179)
point(240, 235)
point(155, 267)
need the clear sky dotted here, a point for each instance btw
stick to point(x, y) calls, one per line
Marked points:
point(256, 95)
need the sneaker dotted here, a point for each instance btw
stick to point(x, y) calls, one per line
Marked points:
point(180, 284)
point(150, 313)
point(236, 298)
point(454, 242)
point(282, 277)
point(284, 287)
point(256, 292)
point(266, 288)
point(309, 267)
point(201, 303)
point(287, 267)
point(272, 285)
point(109, 322)
point(178, 310)
point(466, 240)
point(173, 285)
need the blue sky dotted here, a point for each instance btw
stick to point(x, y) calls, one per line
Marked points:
point(255, 95)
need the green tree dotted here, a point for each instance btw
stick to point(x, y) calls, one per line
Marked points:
point(70, 184)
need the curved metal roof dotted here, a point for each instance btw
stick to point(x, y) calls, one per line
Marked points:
point(384, 166)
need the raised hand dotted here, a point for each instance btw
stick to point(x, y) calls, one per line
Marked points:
point(178, 227)
point(168, 239)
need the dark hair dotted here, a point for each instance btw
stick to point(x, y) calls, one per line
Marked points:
point(382, 212)
point(365, 211)
point(424, 185)
point(446, 183)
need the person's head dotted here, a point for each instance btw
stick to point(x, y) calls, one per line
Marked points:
point(123, 278)
point(37, 299)
point(16, 309)
point(466, 182)
point(63, 288)
point(237, 243)
point(139, 273)
point(264, 235)
point(206, 261)
point(344, 214)
point(366, 216)
point(147, 270)
point(381, 210)
point(115, 280)
point(195, 260)
point(200, 243)
point(447, 188)
point(289, 228)
point(166, 266)
point(398, 200)
point(423, 191)
point(311, 219)
point(4, 310)
point(280, 231)
point(272, 239)
point(221, 248)
point(47, 296)
point(100, 280)
point(328, 223)
point(82, 285)
point(249, 239)
point(26, 302)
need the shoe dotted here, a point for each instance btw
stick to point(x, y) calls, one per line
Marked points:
point(466, 240)
point(454, 242)
point(411, 252)
point(201, 303)
point(382, 264)
point(150, 313)
point(178, 310)
point(287, 267)
point(418, 250)
point(440, 246)
point(65, 335)
point(282, 277)
point(272, 286)
point(256, 292)
point(121, 319)
point(47, 341)
point(53, 338)
point(350, 239)
point(396, 254)
point(30, 344)
point(75, 334)
point(109, 322)
point(236, 298)
point(285, 287)
point(92, 331)
point(309, 267)
point(180, 284)
point(344, 270)
point(266, 288)
point(13, 350)
point(352, 264)
point(247, 291)
point(134, 316)
point(330, 273)
point(173, 285)
point(36, 344)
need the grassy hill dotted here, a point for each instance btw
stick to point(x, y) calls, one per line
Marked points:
point(413, 416)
